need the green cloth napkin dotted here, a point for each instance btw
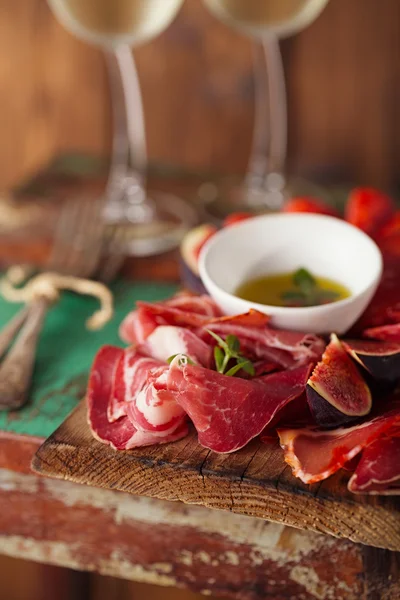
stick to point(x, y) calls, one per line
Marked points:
point(65, 353)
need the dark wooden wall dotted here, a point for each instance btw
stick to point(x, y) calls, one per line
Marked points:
point(343, 77)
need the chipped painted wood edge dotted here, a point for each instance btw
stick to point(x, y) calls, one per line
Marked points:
point(171, 544)
point(16, 451)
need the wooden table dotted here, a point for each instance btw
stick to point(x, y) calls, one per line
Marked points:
point(167, 543)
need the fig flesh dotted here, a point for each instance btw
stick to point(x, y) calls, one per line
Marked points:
point(336, 391)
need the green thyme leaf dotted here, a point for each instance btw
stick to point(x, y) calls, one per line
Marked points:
point(233, 343)
point(218, 339)
point(185, 356)
point(247, 366)
point(227, 351)
point(233, 370)
point(219, 358)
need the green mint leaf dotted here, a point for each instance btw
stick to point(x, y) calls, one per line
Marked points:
point(304, 280)
point(219, 339)
point(233, 343)
point(232, 371)
point(219, 358)
point(248, 367)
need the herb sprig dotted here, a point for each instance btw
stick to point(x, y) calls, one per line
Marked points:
point(228, 350)
point(306, 291)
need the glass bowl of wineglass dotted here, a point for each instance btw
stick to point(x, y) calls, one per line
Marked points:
point(265, 185)
point(155, 222)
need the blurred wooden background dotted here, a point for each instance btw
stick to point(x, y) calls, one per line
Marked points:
point(343, 77)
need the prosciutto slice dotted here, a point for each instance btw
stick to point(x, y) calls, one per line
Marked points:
point(130, 376)
point(183, 310)
point(140, 393)
point(378, 471)
point(229, 411)
point(168, 340)
point(120, 435)
point(285, 348)
point(384, 309)
point(315, 455)
point(154, 408)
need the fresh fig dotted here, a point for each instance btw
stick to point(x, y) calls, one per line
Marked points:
point(389, 333)
point(369, 209)
point(190, 248)
point(380, 359)
point(336, 391)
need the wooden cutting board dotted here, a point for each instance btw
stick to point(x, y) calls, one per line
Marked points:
point(253, 481)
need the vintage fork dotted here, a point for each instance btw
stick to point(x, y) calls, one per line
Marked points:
point(78, 246)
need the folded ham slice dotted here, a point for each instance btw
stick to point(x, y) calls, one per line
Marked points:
point(130, 376)
point(285, 348)
point(378, 471)
point(154, 408)
point(168, 340)
point(229, 411)
point(315, 455)
point(120, 434)
point(183, 310)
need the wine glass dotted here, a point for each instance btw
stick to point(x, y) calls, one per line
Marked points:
point(265, 185)
point(158, 221)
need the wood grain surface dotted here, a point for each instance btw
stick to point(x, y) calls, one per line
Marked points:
point(254, 481)
point(343, 76)
point(170, 544)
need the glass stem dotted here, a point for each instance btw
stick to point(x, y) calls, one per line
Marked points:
point(268, 154)
point(126, 194)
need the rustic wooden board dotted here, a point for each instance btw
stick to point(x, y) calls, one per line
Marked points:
point(254, 481)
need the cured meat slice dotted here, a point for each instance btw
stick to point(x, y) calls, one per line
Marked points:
point(138, 325)
point(389, 333)
point(315, 455)
point(378, 471)
point(168, 340)
point(183, 310)
point(286, 348)
point(130, 376)
point(200, 305)
point(252, 318)
point(384, 308)
point(154, 407)
point(228, 412)
point(120, 435)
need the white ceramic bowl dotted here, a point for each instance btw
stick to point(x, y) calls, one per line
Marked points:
point(280, 243)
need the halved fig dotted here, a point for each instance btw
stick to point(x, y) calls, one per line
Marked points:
point(190, 248)
point(380, 359)
point(336, 392)
point(389, 333)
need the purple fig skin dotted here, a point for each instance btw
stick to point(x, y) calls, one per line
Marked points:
point(324, 414)
point(190, 280)
point(381, 365)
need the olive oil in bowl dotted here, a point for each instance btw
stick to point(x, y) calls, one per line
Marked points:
point(296, 289)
